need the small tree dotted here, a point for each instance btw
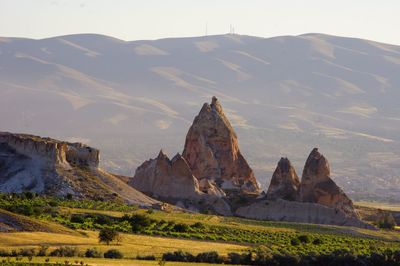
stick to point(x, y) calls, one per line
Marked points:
point(108, 235)
point(387, 221)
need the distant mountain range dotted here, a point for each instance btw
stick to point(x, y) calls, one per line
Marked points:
point(283, 95)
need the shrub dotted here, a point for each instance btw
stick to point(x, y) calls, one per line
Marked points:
point(149, 257)
point(387, 222)
point(27, 252)
point(179, 256)
point(139, 222)
point(77, 218)
point(107, 235)
point(42, 251)
point(295, 241)
point(198, 225)
point(317, 241)
point(93, 253)
point(113, 254)
point(304, 238)
point(181, 228)
point(65, 252)
point(209, 257)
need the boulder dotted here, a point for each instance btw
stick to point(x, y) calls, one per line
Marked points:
point(212, 151)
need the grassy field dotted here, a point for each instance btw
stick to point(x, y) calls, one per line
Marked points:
point(151, 232)
point(109, 262)
point(379, 205)
point(131, 245)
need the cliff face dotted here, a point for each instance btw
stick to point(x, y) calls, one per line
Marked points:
point(212, 151)
point(49, 166)
point(51, 150)
point(284, 183)
point(318, 187)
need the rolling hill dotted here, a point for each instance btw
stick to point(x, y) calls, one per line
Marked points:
point(283, 95)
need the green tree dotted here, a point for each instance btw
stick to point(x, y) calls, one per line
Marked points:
point(108, 235)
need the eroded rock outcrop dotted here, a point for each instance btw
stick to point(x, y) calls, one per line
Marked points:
point(173, 181)
point(284, 183)
point(299, 212)
point(54, 167)
point(212, 151)
point(318, 187)
point(165, 178)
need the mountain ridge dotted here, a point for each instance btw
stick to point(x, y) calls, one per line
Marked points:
point(289, 87)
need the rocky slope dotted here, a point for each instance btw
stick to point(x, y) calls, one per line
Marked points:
point(49, 166)
point(318, 187)
point(212, 151)
point(284, 183)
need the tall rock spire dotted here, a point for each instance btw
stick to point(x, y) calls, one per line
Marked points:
point(318, 187)
point(212, 151)
point(284, 183)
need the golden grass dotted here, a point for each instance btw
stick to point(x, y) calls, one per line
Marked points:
point(113, 262)
point(379, 205)
point(131, 245)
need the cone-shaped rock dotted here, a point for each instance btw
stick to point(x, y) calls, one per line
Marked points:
point(212, 151)
point(166, 178)
point(284, 183)
point(317, 186)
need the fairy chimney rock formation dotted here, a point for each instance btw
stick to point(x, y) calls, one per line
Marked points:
point(166, 178)
point(284, 183)
point(212, 151)
point(318, 187)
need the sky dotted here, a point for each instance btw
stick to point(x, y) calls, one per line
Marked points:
point(377, 20)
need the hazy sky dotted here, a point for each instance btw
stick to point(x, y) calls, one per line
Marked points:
point(152, 19)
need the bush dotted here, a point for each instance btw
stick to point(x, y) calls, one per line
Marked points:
point(209, 257)
point(65, 252)
point(150, 257)
point(295, 241)
point(113, 254)
point(139, 222)
point(317, 241)
point(42, 251)
point(181, 228)
point(93, 253)
point(179, 256)
point(387, 222)
point(304, 238)
point(27, 252)
point(107, 235)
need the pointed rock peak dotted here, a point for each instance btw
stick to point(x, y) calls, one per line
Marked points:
point(215, 105)
point(315, 154)
point(205, 109)
point(284, 164)
point(316, 164)
point(212, 150)
point(177, 157)
point(317, 186)
point(162, 155)
point(284, 183)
